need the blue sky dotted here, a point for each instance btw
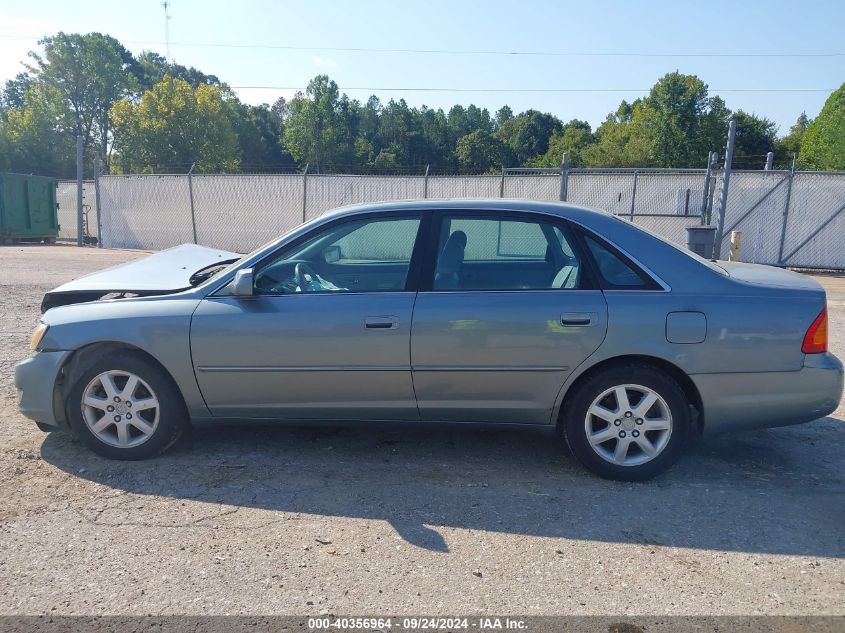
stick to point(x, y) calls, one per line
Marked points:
point(677, 29)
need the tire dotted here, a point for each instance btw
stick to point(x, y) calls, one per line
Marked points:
point(137, 409)
point(46, 428)
point(632, 447)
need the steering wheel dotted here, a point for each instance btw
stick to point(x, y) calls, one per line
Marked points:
point(302, 269)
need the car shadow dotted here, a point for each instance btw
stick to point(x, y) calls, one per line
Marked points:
point(778, 491)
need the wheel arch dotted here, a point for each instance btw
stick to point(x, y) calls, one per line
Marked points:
point(78, 360)
point(684, 381)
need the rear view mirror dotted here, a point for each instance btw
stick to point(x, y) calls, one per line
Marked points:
point(242, 285)
point(331, 254)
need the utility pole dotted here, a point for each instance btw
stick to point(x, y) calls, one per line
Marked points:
point(166, 5)
point(80, 229)
point(726, 181)
point(564, 178)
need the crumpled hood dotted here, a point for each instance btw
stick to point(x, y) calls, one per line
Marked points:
point(161, 273)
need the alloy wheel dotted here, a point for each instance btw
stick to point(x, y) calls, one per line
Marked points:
point(120, 409)
point(628, 425)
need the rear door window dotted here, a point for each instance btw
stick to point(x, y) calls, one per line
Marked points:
point(494, 253)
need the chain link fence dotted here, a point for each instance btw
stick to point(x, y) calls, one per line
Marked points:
point(814, 221)
point(793, 219)
point(66, 199)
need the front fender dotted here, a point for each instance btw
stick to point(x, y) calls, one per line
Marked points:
point(160, 326)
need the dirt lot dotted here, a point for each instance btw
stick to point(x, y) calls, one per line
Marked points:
point(348, 521)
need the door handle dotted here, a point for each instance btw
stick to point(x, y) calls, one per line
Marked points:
point(381, 322)
point(577, 319)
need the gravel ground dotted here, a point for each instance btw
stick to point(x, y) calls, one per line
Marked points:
point(346, 521)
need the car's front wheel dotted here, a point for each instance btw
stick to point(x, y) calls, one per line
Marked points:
point(123, 406)
point(630, 422)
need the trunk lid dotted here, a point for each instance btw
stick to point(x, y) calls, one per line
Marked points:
point(769, 276)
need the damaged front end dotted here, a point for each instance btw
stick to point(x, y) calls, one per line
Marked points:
point(167, 272)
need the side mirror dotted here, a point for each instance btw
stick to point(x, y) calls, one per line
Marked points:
point(331, 254)
point(243, 284)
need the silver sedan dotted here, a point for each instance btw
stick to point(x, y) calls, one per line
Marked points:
point(506, 312)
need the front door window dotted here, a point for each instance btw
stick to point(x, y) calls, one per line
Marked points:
point(369, 255)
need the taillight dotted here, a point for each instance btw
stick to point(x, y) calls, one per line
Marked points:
point(815, 340)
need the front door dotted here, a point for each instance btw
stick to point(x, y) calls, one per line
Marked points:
point(510, 312)
point(327, 334)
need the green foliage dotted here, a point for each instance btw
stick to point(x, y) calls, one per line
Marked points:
point(755, 137)
point(314, 131)
point(789, 146)
point(259, 131)
point(823, 143)
point(575, 137)
point(13, 92)
point(152, 113)
point(150, 68)
point(670, 118)
point(175, 125)
point(480, 151)
point(88, 74)
point(30, 142)
point(622, 141)
point(528, 134)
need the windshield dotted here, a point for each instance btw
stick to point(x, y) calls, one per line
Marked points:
point(212, 271)
point(220, 269)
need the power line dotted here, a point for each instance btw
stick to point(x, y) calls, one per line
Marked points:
point(445, 51)
point(550, 90)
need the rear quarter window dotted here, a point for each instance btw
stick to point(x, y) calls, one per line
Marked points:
point(614, 270)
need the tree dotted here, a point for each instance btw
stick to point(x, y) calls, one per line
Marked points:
point(479, 151)
point(789, 146)
point(175, 126)
point(671, 117)
point(89, 73)
point(503, 115)
point(435, 148)
point(30, 139)
point(259, 131)
point(528, 134)
point(150, 68)
point(397, 133)
point(823, 144)
point(572, 140)
point(755, 137)
point(622, 141)
point(314, 129)
point(91, 85)
point(713, 131)
point(13, 92)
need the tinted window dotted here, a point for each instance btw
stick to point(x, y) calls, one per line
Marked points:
point(482, 253)
point(616, 273)
point(372, 255)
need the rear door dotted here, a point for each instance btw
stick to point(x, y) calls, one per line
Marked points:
point(498, 328)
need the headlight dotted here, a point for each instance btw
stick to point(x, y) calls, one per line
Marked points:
point(39, 333)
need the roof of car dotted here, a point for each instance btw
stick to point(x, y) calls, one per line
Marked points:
point(488, 204)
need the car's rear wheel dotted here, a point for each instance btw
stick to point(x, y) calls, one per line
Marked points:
point(123, 406)
point(630, 422)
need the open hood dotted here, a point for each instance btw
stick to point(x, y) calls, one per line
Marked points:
point(173, 270)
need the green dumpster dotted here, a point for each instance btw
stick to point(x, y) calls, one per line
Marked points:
point(28, 210)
